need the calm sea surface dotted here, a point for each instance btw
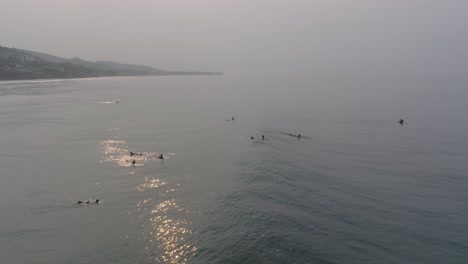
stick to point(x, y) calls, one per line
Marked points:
point(356, 188)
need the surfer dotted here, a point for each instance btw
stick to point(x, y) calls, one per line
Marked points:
point(252, 138)
point(233, 119)
point(299, 136)
point(133, 162)
point(263, 137)
point(90, 201)
point(131, 153)
point(161, 157)
point(401, 121)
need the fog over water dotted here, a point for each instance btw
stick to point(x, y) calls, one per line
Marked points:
point(323, 36)
point(356, 187)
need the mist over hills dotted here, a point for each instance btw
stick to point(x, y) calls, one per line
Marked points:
point(19, 64)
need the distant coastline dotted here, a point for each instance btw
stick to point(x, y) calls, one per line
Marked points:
point(17, 64)
point(51, 77)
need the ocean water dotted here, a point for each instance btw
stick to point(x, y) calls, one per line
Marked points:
point(357, 187)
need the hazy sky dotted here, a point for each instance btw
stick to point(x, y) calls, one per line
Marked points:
point(417, 36)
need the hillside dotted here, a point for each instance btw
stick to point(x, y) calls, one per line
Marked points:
point(17, 64)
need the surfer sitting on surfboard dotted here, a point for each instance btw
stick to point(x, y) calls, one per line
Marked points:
point(90, 201)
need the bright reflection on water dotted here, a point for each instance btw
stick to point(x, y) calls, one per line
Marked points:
point(150, 183)
point(165, 229)
point(170, 233)
point(118, 152)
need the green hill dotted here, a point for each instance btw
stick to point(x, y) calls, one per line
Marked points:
point(17, 64)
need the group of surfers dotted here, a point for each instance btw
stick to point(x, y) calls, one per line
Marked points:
point(161, 157)
point(96, 201)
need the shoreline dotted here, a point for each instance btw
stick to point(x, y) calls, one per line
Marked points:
point(110, 76)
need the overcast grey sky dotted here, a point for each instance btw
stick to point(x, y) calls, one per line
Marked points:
point(420, 36)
